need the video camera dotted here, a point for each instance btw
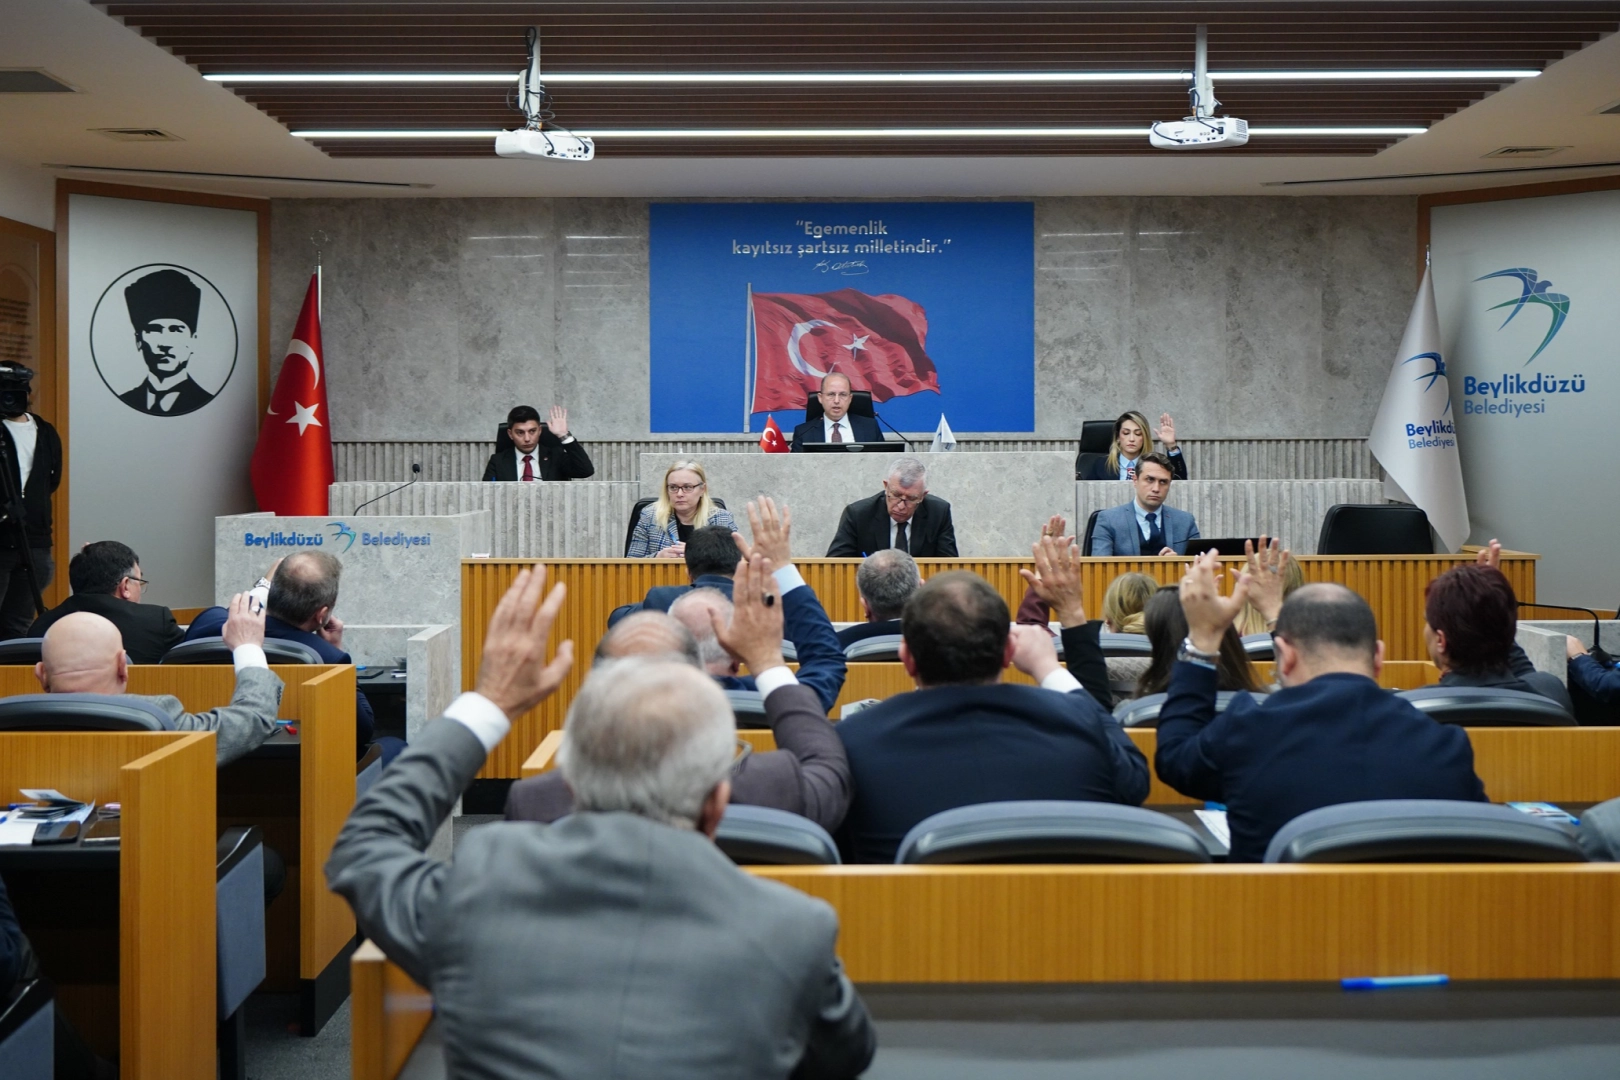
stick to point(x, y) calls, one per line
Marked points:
point(14, 387)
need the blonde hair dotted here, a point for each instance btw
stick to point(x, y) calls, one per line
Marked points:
point(1249, 620)
point(1122, 604)
point(663, 510)
point(1113, 447)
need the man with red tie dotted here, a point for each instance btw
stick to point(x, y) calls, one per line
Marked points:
point(539, 451)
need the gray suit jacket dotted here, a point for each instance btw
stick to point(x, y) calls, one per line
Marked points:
point(239, 727)
point(605, 945)
point(1116, 532)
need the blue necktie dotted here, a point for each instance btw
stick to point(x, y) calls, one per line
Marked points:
point(1155, 538)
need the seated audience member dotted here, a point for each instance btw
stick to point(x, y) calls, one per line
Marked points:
point(106, 580)
point(618, 941)
point(303, 592)
point(539, 451)
point(711, 556)
point(1145, 526)
point(836, 425)
point(1166, 628)
point(1470, 616)
point(1586, 673)
point(1131, 444)
point(683, 504)
point(1125, 601)
point(963, 737)
point(885, 582)
point(84, 654)
point(903, 515)
point(807, 774)
point(1331, 735)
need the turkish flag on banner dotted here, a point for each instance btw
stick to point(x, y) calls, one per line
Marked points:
point(878, 341)
point(292, 464)
point(772, 442)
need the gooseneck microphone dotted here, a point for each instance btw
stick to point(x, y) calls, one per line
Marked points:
point(892, 428)
point(416, 474)
point(1597, 651)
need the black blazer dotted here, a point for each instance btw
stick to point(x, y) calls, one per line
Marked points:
point(149, 630)
point(1336, 739)
point(928, 751)
point(557, 460)
point(865, 528)
point(1097, 468)
point(42, 480)
point(865, 429)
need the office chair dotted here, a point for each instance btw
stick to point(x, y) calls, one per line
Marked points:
point(1050, 831)
point(880, 648)
point(1488, 706)
point(1091, 527)
point(1259, 647)
point(21, 650)
point(1375, 529)
point(1096, 436)
point(763, 836)
point(81, 712)
point(239, 939)
point(1144, 711)
point(1124, 644)
point(1421, 830)
point(213, 650)
point(748, 706)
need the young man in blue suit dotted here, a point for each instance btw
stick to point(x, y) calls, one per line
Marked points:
point(1145, 526)
point(1331, 735)
point(836, 425)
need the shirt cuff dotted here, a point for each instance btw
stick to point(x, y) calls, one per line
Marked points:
point(566, 439)
point(249, 655)
point(1062, 680)
point(773, 679)
point(1173, 453)
point(787, 578)
point(482, 717)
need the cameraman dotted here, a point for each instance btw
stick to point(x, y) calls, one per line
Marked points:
point(31, 452)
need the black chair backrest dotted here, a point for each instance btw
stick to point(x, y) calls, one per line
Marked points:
point(1488, 706)
point(21, 650)
point(1375, 529)
point(763, 836)
point(1144, 711)
point(1091, 527)
point(20, 1011)
point(1125, 644)
point(1046, 831)
point(503, 438)
point(1422, 830)
point(860, 404)
point(213, 650)
point(1259, 647)
point(748, 706)
point(878, 649)
point(81, 712)
point(1096, 436)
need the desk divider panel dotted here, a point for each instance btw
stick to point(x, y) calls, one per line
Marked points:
point(326, 766)
point(389, 1013)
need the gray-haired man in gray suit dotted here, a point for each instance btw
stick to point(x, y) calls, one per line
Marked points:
point(619, 941)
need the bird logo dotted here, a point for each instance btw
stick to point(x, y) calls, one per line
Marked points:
point(1534, 290)
point(340, 531)
point(1433, 375)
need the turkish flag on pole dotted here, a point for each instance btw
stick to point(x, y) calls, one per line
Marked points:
point(292, 464)
point(772, 442)
point(878, 341)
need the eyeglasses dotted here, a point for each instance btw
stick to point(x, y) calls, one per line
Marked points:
point(684, 489)
point(142, 582)
point(836, 395)
point(903, 500)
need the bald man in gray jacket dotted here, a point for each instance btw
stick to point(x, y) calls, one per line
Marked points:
point(619, 941)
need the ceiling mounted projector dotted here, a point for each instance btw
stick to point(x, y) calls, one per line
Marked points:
point(1203, 129)
point(535, 140)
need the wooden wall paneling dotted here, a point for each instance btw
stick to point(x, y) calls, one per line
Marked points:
point(1100, 924)
point(390, 1012)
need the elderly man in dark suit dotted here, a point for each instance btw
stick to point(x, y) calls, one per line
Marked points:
point(618, 941)
point(903, 515)
point(1331, 735)
point(885, 582)
point(539, 451)
point(106, 580)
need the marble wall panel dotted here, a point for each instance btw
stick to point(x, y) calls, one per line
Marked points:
point(1291, 510)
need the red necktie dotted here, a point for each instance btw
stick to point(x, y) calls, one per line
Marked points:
point(528, 466)
point(838, 434)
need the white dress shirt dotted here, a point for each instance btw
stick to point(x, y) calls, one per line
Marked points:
point(534, 455)
point(842, 425)
point(24, 436)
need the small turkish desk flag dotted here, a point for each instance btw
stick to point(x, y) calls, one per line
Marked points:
point(292, 464)
point(771, 441)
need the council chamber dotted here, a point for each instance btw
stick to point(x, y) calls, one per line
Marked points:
point(815, 541)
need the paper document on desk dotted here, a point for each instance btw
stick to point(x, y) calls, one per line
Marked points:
point(16, 831)
point(1215, 822)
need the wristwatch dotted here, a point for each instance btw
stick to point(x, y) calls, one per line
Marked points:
point(1198, 656)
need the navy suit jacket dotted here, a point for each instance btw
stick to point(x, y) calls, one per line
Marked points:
point(211, 622)
point(1116, 532)
point(927, 751)
point(865, 428)
point(1597, 681)
point(1336, 739)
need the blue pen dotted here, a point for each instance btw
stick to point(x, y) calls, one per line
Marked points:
point(1393, 982)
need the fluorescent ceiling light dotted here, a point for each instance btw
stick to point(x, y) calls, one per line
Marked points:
point(849, 133)
point(1337, 130)
point(814, 78)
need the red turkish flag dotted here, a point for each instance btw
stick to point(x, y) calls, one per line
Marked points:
point(772, 442)
point(292, 464)
point(878, 341)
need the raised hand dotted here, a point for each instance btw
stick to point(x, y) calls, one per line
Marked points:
point(244, 623)
point(1033, 651)
point(1056, 578)
point(1165, 432)
point(1208, 612)
point(1055, 526)
point(772, 532)
point(1266, 569)
point(513, 672)
point(558, 421)
point(1490, 555)
point(754, 635)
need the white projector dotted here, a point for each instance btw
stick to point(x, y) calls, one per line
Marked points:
point(1199, 134)
point(544, 145)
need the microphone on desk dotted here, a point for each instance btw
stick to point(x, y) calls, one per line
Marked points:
point(892, 428)
point(416, 474)
point(1597, 652)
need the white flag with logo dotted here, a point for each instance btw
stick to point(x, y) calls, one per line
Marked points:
point(1414, 436)
point(943, 438)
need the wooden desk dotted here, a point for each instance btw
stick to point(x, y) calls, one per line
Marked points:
point(388, 1014)
point(1392, 584)
point(156, 1010)
point(299, 801)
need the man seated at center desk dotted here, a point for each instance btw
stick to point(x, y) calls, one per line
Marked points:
point(836, 424)
point(902, 516)
point(1145, 526)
